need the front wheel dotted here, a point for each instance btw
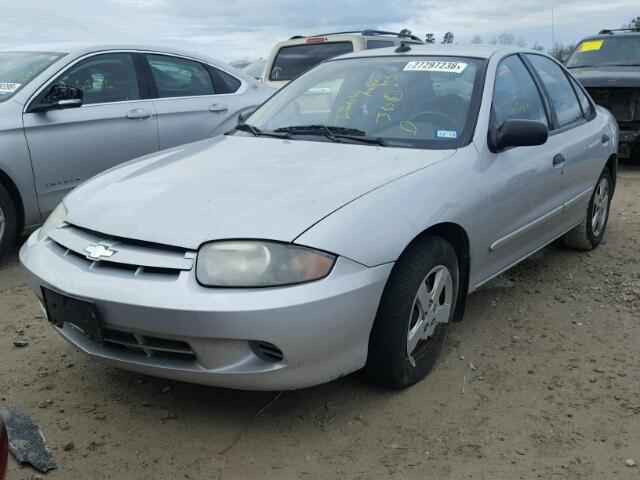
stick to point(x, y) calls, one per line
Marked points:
point(590, 232)
point(415, 310)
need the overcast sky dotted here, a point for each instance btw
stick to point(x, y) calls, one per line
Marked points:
point(234, 29)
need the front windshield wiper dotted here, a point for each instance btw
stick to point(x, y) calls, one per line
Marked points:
point(622, 64)
point(334, 133)
point(256, 132)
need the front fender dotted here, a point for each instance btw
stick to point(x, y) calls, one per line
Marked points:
point(377, 227)
point(15, 161)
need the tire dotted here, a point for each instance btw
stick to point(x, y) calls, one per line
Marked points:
point(590, 232)
point(8, 222)
point(396, 358)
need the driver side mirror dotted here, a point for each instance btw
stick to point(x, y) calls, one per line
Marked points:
point(519, 133)
point(59, 97)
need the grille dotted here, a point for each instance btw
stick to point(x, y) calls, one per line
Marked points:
point(623, 103)
point(148, 346)
point(133, 256)
point(267, 351)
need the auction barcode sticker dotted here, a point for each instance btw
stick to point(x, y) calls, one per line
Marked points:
point(9, 87)
point(431, 66)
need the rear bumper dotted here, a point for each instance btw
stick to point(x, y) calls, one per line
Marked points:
point(321, 328)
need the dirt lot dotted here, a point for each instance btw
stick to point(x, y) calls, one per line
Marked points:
point(555, 393)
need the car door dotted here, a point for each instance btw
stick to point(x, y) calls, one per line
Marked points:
point(192, 99)
point(524, 184)
point(115, 123)
point(584, 147)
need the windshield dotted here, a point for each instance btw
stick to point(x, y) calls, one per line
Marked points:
point(416, 102)
point(606, 51)
point(19, 68)
point(293, 60)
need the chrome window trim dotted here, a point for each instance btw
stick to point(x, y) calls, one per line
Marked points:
point(243, 84)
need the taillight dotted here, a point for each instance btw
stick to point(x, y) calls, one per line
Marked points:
point(316, 40)
point(4, 450)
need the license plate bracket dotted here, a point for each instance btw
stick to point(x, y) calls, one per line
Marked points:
point(81, 314)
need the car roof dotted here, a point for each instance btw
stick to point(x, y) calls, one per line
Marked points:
point(611, 34)
point(453, 50)
point(81, 49)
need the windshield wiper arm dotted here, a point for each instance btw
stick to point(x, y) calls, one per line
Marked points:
point(256, 132)
point(324, 129)
point(364, 139)
point(334, 133)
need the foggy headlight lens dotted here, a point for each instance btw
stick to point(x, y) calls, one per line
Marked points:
point(57, 217)
point(260, 264)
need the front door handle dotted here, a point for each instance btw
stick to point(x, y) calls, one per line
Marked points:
point(138, 113)
point(218, 108)
point(558, 160)
point(605, 139)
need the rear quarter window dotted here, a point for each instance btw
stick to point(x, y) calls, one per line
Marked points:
point(293, 60)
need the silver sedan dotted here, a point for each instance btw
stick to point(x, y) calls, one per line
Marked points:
point(70, 112)
point(341, 226)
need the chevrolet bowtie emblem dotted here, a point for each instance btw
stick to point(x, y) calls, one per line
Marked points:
point(98, 252)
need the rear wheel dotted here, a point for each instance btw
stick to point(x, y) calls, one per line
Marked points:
point(590, 232)
point(415, 310)
point(8, 222)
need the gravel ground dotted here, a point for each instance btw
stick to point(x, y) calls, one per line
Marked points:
point(555, 393)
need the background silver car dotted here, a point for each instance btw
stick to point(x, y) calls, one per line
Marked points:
point(342, 226)
point(67, 114)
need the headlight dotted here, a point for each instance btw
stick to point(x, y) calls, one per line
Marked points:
point(57, 217)
point(251, 263)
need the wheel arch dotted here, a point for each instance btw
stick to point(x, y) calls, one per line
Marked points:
point(457, 236)
point(14, 193)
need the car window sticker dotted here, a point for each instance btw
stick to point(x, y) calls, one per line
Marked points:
point(448, 134)
point(8, 87)
point(435, 66)
point(591, 46)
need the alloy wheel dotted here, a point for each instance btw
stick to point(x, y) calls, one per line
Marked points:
point(431, 307)
point(600, 207)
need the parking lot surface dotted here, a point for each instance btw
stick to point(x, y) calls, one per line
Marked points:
point(554, 393)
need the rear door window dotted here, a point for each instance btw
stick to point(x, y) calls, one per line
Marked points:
point(559, 90)
point(293, 60)
point(179, 77)
point(587, 107)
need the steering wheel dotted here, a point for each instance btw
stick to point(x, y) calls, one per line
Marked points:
point(424, 116)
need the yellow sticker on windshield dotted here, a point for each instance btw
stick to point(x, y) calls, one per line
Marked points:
point(591, 46)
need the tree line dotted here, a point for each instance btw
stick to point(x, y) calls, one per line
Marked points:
point(559, 51)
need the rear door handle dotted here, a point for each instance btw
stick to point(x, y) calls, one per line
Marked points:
point(218, 108)
point(138, 113)
point(558, 160)
point(605, 139)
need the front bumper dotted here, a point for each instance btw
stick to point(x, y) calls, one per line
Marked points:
point(629, 143)
point(322, 328)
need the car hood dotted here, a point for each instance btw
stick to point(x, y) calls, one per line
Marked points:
point(610, 77)
point(236, 187)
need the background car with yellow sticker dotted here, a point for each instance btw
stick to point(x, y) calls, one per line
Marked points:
point(608, 65)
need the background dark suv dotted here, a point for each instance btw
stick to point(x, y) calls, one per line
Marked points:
point(608, 65)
